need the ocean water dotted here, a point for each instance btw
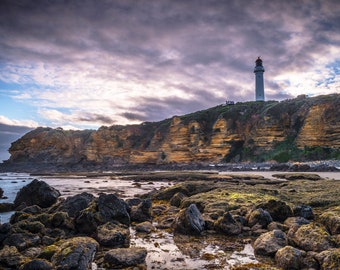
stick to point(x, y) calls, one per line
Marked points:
point(71, 185)
point(11, 183)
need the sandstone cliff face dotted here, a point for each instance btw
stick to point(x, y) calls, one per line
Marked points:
point(224, 133)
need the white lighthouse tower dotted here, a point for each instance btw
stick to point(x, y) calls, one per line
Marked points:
point(259, 86)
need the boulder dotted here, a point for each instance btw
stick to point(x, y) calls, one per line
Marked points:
point(4, 231)
point(329, 259)
point(278, 210)
point(111, 208)
point(331, 220)
point(6, 207)
point(310, 237)
point(289, 258)
point(73, 205)
point(37, 264)
point(124, 257)
point(176, 200)
point(33, 227)
point(22, 240)
point(228, 225)
point(36, 193)
point(10, 257)
point(142, 211)
point(277, 226)
point(107, 208)
point(86, 222)
point(1, 193)
point(304, 211)
point(189, 221)
point(259, 216)
point(113, 235)
point(145, 227)
point(269, 243)
point(75, 253)
point(296, 221)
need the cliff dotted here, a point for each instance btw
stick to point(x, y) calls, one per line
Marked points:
point(298, 129)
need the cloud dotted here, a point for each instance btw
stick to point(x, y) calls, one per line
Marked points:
point(91, 63)
point(17, 124)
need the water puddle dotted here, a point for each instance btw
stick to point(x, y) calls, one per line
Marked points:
point(166, 251)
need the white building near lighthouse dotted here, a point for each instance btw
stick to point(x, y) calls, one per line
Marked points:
point(259, 85)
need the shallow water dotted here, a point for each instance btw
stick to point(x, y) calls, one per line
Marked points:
point(164, 250)
point(168, 252)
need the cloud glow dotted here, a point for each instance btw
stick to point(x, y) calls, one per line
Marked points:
point(124, 62)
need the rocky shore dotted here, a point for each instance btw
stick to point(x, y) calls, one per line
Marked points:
point(292, 223)
point(47, 168)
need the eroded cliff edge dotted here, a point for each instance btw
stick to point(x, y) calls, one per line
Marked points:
point(302, 128)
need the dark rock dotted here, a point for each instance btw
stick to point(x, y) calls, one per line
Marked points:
point(32, 252)
point(331, 220)
point(228, 225)
point(278, 210)
point(6, 207)
point(289, 258)
point(279, 167)
point(37, 264)
point(145, 227)
point(189, 221)
point(33, 209)
point(259, 216)
point(277, 226)
point(22, 240)
point(329, 259)
point(73, 205)
point(269, 243)
point(168, 193)
point(125, 257)
point(4, 231)
point(133, 201)
point(36, 193)
point(177, 199)
point(309, 261)
point(10, 257)
point(61, 220)
point(310, 237)
point(111, 209)
point(304, 211)
point(296, 221)
point(33, 227)
point(113, 235)
point(1, 193)
point(86, 222)
point(142, 211)
point(75, 253)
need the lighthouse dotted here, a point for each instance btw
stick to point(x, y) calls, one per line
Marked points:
point(259, 86)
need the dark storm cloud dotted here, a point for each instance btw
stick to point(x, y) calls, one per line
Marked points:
point(209, 45)
point(93, 117)
point(158, 109)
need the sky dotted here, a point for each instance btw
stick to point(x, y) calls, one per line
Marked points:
point(82, 64)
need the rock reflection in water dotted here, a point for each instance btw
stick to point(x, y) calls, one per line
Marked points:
point(166, 251)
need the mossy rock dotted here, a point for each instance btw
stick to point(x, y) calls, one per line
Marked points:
point(331, 220)
point(298, 176)
point(311, 237)
point(27, 226)
point(48, 251)
point(329, 259)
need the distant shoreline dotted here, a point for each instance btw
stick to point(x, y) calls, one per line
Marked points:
point(46, 168)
